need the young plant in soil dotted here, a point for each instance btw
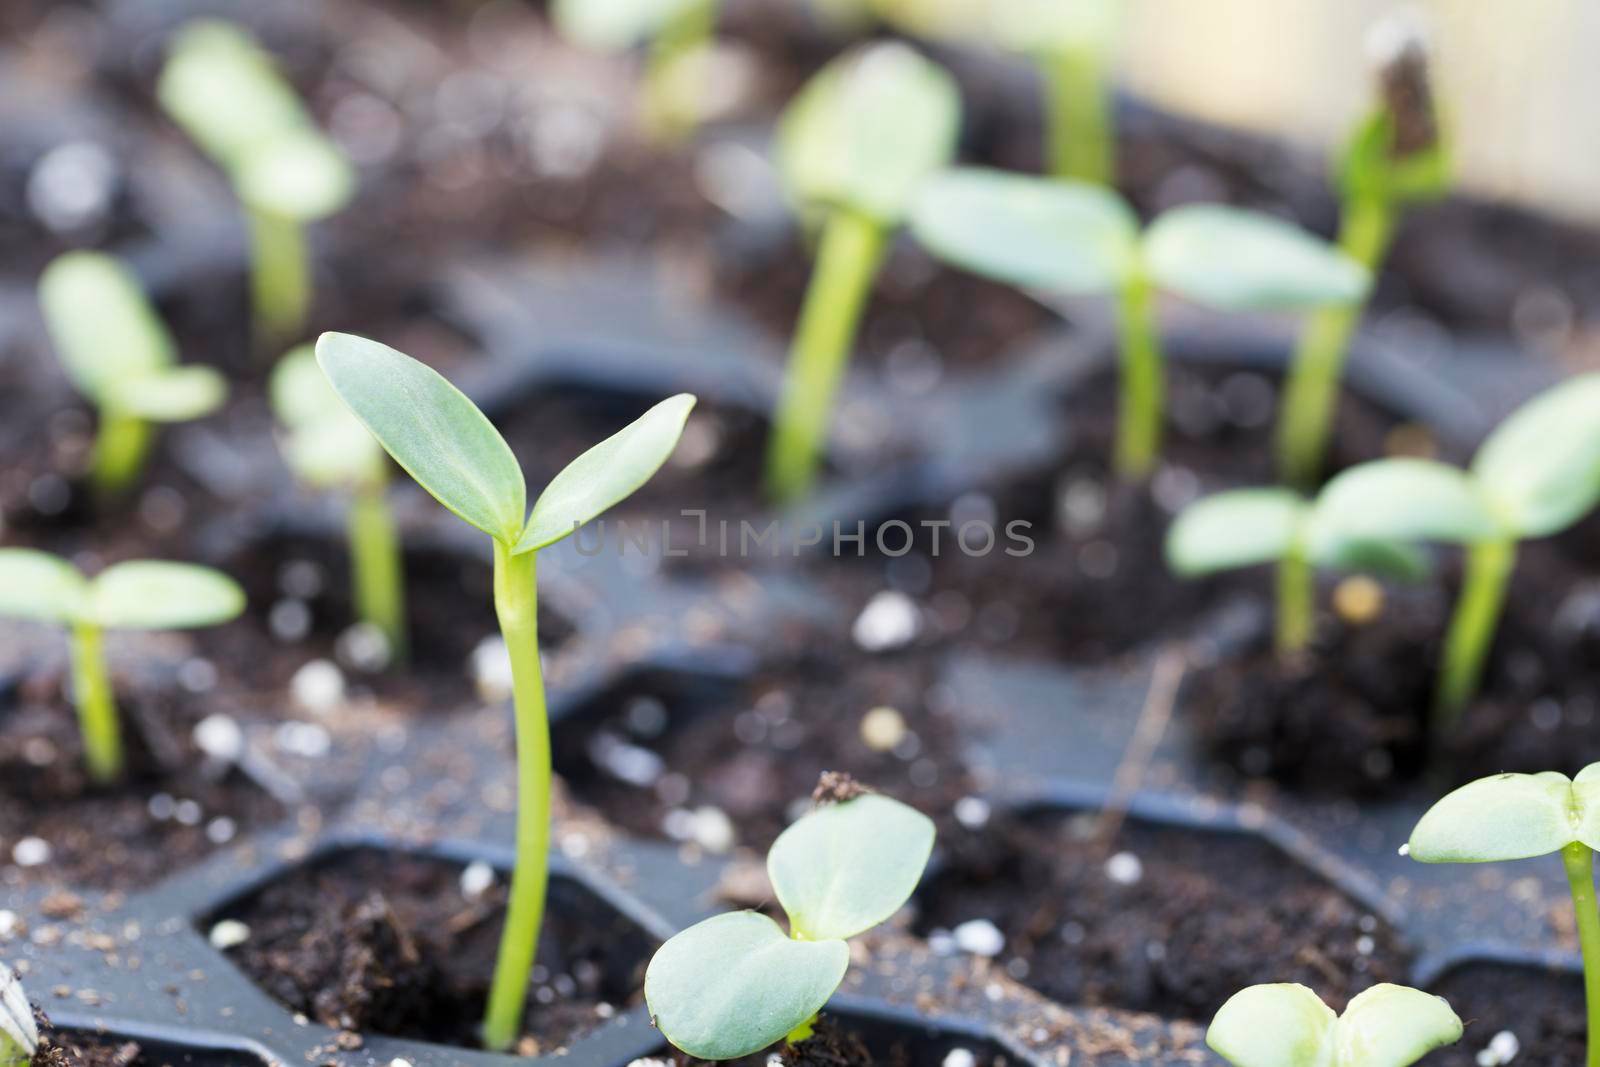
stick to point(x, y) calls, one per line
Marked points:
point(1072, 238)
point(1535, 475)
point(119, 355)
point(1396, 156)
point(1072, 45)
point(1287, 1025)
point(853, 147)
point(452, 450)
point(1247, 527)
point(136, 595)
point(329, 449)
point(227, 94)
point(678, 34)
point(736, 983)
point(19, 1035)
point(1519, 816)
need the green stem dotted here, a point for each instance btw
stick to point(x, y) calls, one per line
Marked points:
point(671, 105)
point(280, 280)
point(516, 604)
point(1579, 861)
point(847, 261)
point(1477, 613)
point(1296, 602)
point(119, 452)
point(1318, 363)
point(1142, 395)
point(376, 568)
point(97, 714)
point(1078, 111)
point(804, 1032)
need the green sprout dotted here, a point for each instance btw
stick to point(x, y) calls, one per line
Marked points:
point(679, 34)
point(1397, 156)
point(136, 595)
point(1075, 238)
point(19, 1034)
point(1535, 475)
point(854, 146)
point(451, 449)
point(1519, 816)
point(1287, 1025)
point(1247, 527)
point(119, 355)
point(1072, 45)
point(227, 94)
point(735, 984)
point(328, 448)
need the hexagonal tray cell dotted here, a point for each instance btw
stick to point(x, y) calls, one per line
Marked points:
point(1154, 917)
point(90, 1046)
point(1530, 1011)
point(867, 1037)
point(403, 944)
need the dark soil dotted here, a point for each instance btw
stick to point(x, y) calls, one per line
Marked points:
point(837, 1043)
point(1199, 916)
point(659, 749)
point(387, 943)
point(1350, 717)
point(172, 808)
point(67, 1048)
point(1543, 1009)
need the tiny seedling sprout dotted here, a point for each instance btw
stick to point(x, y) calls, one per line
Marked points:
point(1396, 156)
point(1246, 527)
point(136, 595)
point(19, 1035)
point(1073, 238)
point(228, 96)
point(120, 356)
point(453, 451)
point(854, 146)
point(1535, 475)
point(1520, 816)
point(736, 984)
point(328, 448)
point(679, 33)
point(1287, 1025)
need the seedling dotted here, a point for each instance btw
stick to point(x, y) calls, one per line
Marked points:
point(1247, 527)
point(1073, 238)
point(735, 984)
point(227, 94)
point(329, 449)
point(19, 1035)
point(1287, 1025)
point(452, 450)
point(120, 356)
point(137, 595)
point(1072, 45)
point(854, 146)
point(1519, 816)
point(679, 36)
point(1397, 156)
point(1535, 475)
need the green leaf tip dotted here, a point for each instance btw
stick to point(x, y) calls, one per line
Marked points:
point(615, 25)
point(1287, 1025)
point(135, 595)
point(1541, 465)
point(1509, 817)
point(1238, 528)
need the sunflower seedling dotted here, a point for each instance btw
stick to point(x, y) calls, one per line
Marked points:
point(329, 449)
point(1287, 1025)
point(1072, 238)
point(228, 96)
point(1535, 475)
point(136, 595)
point(678, 34)
point(120, 356)
point(19, 1035)
point(1247, 527)
point(1396, 156)
point(443, 441)
point(853, 146)
point(735, 984)
point(1519, 816)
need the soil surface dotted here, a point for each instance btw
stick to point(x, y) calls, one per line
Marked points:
point(66, 1048)
point(391, 943)
point(836, 1043)
point(1161, 920)
point(1542, 1010)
